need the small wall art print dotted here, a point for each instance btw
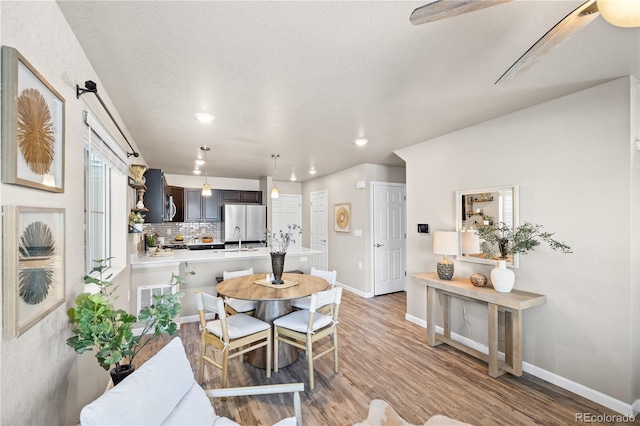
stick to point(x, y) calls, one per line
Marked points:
point(342, 213)
point(33, 272)
point(32, 126)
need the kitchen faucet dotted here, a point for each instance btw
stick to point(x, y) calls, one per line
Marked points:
point(237, 229)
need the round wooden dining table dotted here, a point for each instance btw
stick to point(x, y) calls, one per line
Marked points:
point(273, 302)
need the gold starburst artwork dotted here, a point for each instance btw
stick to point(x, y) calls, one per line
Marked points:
point(35, 131)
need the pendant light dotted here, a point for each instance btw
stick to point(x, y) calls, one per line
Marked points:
point(274, 191)
point(206, 188)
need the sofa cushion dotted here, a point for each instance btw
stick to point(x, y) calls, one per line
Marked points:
point(151, 393)
point(194, 409)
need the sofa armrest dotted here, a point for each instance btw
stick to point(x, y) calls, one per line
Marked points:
point(294, 388)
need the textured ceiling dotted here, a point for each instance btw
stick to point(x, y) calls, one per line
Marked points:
point(304, 79)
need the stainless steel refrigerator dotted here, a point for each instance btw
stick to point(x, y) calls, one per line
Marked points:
point(249, 219)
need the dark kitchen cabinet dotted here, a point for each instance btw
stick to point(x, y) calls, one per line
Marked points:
point(201, 209)
point(156, 197)
point(177, 197)
point(242, 197)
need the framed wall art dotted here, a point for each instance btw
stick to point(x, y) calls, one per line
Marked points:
point(342, 213)
point(33, 272)
point(32, 126)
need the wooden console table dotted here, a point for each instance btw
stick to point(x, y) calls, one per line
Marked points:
point(511, 303)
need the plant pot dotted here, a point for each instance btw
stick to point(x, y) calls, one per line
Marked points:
point(137, 227)
point(502, 278)
point(121, 372)
point(277, 265)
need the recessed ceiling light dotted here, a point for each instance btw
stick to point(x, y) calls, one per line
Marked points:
point(204, 117)
point(199, 162)
point(312, 171)
point(361, 141)
point(196, 171)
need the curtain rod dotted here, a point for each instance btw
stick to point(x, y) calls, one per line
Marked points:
point(92, 87)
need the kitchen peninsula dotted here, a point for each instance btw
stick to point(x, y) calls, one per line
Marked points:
point(206, 265)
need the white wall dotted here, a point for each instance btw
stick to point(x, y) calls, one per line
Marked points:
point(575, 161)
point(346, 250)
point(43, 380)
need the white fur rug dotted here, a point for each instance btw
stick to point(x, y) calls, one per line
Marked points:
point(381, 414)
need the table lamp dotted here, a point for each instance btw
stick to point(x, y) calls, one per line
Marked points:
point(445, 243)
point(470, 243)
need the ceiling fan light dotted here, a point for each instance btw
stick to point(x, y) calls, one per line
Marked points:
point(621, 13)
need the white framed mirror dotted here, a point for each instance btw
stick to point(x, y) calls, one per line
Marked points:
point(485, 206)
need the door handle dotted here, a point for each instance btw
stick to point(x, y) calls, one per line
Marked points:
point(323, 241)
point(379, 245)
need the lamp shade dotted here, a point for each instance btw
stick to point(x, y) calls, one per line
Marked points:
point(621, 13)
point(445, 242)
point(470, 243)
point(274, 193)
point(206, 190)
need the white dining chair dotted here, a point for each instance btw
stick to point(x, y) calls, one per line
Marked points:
point(239, 306)
point(304, 327)
point(329, 276)
point(233, 336)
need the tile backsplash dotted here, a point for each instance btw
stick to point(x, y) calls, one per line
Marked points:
point(169, 230)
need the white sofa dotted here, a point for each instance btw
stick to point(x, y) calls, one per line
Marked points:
point(163, 391)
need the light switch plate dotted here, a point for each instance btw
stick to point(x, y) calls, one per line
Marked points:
point(357, 232)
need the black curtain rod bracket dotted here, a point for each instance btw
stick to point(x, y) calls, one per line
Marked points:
point(92, 87)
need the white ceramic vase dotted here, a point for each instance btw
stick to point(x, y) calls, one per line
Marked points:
point(502, 278)
point(137, 227)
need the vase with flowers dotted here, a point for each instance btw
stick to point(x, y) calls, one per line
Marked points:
point(278, 243)
point(136, 219)
point(509, 241)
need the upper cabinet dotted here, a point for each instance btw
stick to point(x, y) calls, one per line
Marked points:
point(156, 197)
point(243, 197)
point(201, 209)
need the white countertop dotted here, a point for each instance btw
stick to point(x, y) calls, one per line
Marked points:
point(145, 260)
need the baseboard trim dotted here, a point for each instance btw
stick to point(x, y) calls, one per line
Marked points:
point(355, 291)
point(562, 382)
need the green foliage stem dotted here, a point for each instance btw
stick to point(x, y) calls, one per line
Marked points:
point(98, 326)
point(521, 240)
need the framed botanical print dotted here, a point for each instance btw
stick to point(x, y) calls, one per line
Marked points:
point(32, 126)
point(342, 213)
point(33, 273)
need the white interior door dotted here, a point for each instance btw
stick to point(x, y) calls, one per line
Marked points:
point(319, 235)
point(389, 237)
point(287, 210)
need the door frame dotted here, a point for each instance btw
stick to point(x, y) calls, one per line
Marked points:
point(372, 253)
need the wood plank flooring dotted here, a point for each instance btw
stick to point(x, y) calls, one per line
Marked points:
point(383, 356)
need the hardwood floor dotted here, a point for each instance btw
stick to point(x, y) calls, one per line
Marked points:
point(383, 356)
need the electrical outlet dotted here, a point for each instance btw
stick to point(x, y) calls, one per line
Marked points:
point(303, 258)
point(359, 265)
point(168, 231)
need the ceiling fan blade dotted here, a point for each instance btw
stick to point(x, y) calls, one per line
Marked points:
point(442, 9)
point(562, 31)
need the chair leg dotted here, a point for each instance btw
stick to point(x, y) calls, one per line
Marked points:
point(310, 361)
point(269, 353)
point(276, 343)
point(201, 363)
point(225, 367)
point(335, 351)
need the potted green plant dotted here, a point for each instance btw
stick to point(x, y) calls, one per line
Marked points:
point(521, 240)
point(487, 220)
point(152, 241)
point(99, 326)
point(136, 219)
